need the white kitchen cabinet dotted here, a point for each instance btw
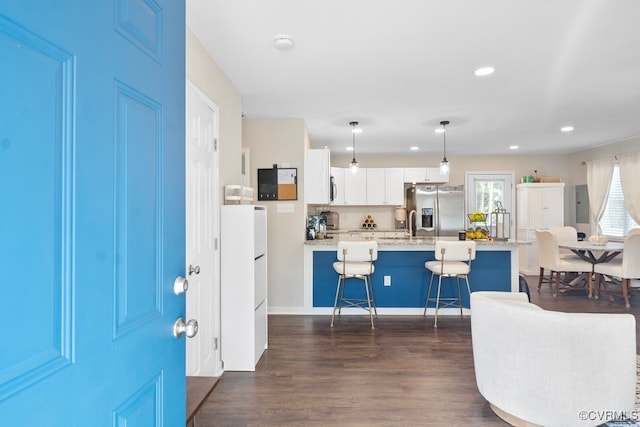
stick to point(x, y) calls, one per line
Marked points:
point(355, 187)
point(317, 166)
point(434, 176)
point(424, 175)
point(350, 189)
point(243, 272)
point(385, 186)
point(539, 205)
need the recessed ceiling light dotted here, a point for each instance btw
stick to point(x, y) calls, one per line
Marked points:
point(439, 130)
point(514, 147)
point(414, 148)
point(566, 129)
point(283, 42)
point(484, 71)
point(349, 148)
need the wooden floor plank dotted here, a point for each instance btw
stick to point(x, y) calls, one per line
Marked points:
point(198, 389)
point(403, 373)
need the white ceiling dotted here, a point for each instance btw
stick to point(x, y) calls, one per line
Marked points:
point(400, 67)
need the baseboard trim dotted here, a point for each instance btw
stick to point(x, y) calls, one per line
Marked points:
point(383, 311)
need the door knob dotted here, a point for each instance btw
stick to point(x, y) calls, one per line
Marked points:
point(180, 285)
point(190, 328)
point(193, 269)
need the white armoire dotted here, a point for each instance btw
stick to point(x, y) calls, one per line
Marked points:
point(539, 205)
point(243, 286)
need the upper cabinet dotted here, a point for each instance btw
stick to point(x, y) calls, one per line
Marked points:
point(349, 188)
point(369, 186)
point(355, 187)
point(423, 175)
point(385, 186)
point(317, 166)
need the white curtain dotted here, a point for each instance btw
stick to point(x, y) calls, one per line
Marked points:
point(599, 174)
point(630, 181)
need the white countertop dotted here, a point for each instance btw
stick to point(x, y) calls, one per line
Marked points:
point(404, 241)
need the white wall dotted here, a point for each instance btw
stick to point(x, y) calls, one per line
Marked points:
point(281, 142)
point(207, 76)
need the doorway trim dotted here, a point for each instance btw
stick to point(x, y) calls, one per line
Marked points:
point(207, 312)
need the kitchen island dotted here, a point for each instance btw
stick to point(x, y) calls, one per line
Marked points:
point(495, 268)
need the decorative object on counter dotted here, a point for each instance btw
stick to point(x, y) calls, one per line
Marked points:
point(354, 164)
point(369, 223)
point(478, 229)
point(238, 195)
point(500, 222)
point(462, 235)
point(444, 164)
point(598, 239)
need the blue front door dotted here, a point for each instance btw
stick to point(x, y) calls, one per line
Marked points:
point(91, 212)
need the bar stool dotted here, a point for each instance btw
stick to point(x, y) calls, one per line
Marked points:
point(453, 260)
point(355, 261)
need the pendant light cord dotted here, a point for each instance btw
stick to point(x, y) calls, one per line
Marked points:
point(444, 138)
point(354, 143)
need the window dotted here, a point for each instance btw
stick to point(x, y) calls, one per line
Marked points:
point(616, 221)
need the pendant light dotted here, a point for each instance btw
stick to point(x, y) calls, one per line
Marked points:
point(444, 164)
point(354, 164)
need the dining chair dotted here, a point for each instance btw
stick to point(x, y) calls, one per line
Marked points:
point(355, 261)
point(565, 234)
point(453, 260)
point(621, 269)
point(550, 259)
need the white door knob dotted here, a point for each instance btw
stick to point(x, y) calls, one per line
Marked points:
point(180, 285)
point(190, 328)
point(194, 269)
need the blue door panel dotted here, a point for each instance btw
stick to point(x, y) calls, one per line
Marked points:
point(92, 223)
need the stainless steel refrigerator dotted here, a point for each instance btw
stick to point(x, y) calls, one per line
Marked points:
point(439, 210)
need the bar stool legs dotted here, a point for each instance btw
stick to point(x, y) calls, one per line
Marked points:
point(446, 302)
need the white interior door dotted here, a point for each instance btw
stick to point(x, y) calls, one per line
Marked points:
point(202, 231)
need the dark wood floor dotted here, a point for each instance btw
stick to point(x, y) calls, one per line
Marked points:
point(402, 373)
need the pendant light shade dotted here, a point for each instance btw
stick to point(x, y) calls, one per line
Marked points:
point(354, 163)
point(444, 164)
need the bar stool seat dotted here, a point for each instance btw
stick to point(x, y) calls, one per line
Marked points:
point(453, 260)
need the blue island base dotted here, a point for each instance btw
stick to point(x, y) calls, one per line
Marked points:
point(490, 271)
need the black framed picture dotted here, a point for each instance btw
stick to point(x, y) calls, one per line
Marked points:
point(278, 184)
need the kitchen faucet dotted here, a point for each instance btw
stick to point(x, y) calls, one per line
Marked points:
point(413, 212)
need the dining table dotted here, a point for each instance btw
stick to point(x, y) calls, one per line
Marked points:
point(594, 253)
